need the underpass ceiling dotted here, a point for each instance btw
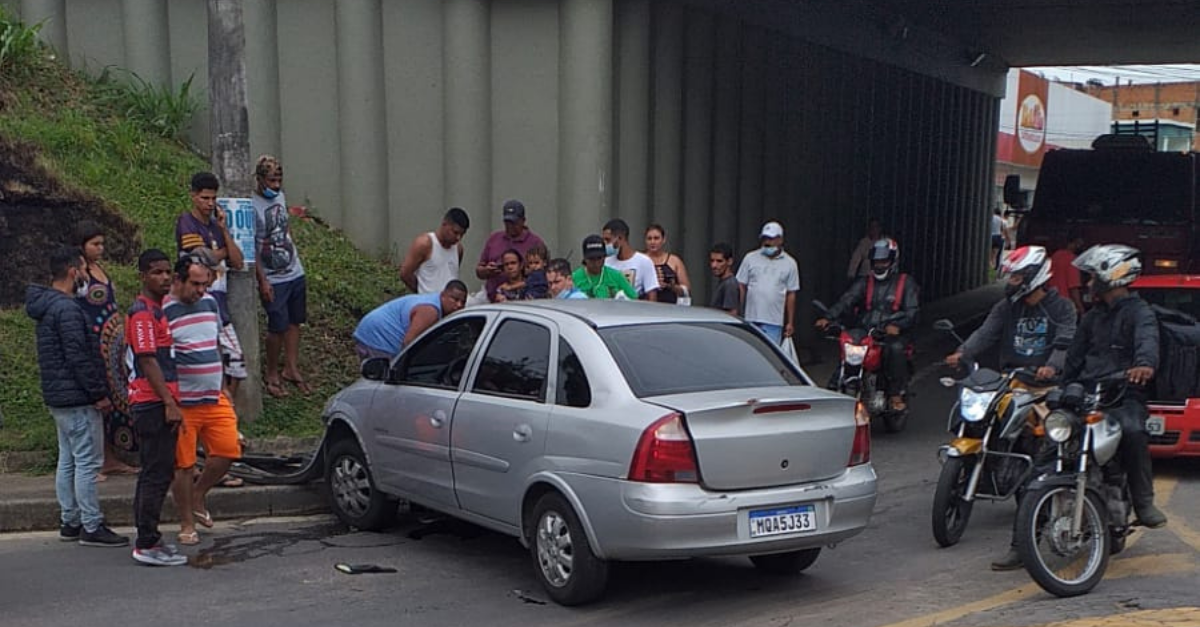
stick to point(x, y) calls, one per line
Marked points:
point(1057, 32)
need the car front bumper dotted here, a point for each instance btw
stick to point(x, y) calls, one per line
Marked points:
point(648, 521)
point(1181, 433)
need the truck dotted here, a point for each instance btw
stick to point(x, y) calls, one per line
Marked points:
point(1119, 191)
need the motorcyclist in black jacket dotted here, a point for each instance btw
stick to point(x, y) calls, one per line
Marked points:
point(1120, 333)
point(1033, 327)
point(888, 298)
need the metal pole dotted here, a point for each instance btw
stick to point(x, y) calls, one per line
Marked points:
point(230, 134)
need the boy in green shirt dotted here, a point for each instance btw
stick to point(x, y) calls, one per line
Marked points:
point(597, 280)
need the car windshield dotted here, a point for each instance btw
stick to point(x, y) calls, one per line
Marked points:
point(675, 358)
point(1187, 301)
point(1122, 188)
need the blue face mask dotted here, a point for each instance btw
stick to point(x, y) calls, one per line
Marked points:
point(610, 250)
point(269, 193)
point(770, 251)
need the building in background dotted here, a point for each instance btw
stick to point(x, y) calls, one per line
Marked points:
point(1165, 112)
point(1037, 115)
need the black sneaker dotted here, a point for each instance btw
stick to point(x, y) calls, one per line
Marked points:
point(102, 536)
point(69, 533)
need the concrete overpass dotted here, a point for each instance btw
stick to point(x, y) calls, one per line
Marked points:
point(708, 116)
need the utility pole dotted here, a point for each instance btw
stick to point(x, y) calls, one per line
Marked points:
point(230, 133)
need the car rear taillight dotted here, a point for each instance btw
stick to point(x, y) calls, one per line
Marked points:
point(665, 453)
point(860, 453)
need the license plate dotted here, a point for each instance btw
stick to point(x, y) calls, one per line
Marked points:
point(782, 521)
point(1156, 425)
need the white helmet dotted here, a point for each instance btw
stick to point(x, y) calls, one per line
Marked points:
point(1031, 264)
point(1111, 266)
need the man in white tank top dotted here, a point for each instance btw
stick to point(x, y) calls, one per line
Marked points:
point(434, 257)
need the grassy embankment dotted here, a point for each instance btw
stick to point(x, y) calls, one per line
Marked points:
point(116, 138)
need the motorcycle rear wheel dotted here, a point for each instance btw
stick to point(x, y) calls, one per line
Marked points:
point(950, 512)
point(1062, 566)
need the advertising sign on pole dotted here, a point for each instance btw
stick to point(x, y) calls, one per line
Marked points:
point(239, 216)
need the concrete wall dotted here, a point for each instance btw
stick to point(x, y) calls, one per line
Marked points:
point(709, 117)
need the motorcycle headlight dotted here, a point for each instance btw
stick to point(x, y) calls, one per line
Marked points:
point(854, 353)
point(1059, 426)
point(973, 405)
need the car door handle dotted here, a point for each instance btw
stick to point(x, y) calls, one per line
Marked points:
point(522, 433)
point(437, 419)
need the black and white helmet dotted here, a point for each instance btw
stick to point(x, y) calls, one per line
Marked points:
point(1111, 266)
point(885, 249)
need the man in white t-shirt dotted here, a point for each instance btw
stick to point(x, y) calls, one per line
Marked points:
point(637, 267)
point(769, 280)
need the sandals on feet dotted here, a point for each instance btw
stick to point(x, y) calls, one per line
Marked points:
point(230, 481)
point(203, 517)
point(188, 538)
point(300, 384)
point(275, 388)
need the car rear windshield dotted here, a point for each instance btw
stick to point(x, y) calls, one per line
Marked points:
point(1123, 188)
point(675, 358)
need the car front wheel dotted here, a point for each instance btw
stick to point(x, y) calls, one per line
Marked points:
point(355, 499)
point(790, 563)
point(562, 557)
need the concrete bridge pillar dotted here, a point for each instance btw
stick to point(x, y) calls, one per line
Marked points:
point(467, 90)
point(262, 76)
point(585, 118)
point(147, 38)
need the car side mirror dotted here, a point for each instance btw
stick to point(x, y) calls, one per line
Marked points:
point(376, 368)
point(943, 325)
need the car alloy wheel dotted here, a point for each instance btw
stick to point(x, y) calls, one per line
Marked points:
point(351, 487)
point(556, 552)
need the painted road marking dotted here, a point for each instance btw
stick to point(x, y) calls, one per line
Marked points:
point(1170, 617)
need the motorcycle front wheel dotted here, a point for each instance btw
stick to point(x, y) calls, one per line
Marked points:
point(950, 511)
point(1062, 565)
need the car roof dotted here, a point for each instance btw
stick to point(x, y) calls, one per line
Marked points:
point(612, 313)
point(1182, 281)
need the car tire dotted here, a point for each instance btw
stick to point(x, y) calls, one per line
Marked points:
point(790, 563)
point(352, 493)
point(563, 560)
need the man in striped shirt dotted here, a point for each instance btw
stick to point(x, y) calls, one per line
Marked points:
point(195, 321)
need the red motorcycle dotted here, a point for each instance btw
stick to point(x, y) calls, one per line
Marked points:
point(860, 371)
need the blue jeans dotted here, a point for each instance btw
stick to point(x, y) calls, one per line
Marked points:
point(773, 331)
point(80, 453)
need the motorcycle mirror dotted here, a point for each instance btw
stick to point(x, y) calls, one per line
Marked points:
point(943, 325)
point(947, 382)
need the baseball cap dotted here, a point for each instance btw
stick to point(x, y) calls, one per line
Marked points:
point(513, 210)
point(771, 230)
point(593, 247)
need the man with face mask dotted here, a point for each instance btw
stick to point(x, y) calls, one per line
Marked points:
point(885, 298)
point(768, 280)
point(1033, 326)
point(75, 389)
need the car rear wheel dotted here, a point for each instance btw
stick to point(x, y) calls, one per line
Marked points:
point(352, 491)
point(790, 563)
point(562, 557)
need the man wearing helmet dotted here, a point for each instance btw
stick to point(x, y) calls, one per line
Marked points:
point(886, 298)
point(1120, 334)
point(1033, 325)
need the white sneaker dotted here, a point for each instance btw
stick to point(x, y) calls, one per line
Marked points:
point(160, 555)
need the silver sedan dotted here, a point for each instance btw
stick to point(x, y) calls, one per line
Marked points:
point(595, 431)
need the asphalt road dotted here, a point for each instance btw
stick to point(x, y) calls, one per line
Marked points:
point(281, 572)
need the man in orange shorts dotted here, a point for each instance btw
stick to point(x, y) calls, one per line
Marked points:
point(195, 323)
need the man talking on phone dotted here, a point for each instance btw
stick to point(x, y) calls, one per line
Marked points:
point(203, 231)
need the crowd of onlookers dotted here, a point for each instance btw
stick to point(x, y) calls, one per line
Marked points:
point(515, 264)
point(161, 379)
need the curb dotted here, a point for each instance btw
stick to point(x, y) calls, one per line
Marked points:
point(250, 501)
point(25, 461)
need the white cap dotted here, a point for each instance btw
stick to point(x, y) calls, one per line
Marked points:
point(771, 230)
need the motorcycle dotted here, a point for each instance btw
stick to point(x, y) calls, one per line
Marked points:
point(1078, 511)
point(860, 371)
point(993, 422)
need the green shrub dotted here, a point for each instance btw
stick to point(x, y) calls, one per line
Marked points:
point(19, 45)
point(163, 109)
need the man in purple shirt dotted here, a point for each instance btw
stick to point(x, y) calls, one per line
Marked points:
point(514, 236)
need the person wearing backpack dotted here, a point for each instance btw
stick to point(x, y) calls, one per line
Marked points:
point(1120, 333)
point(884, 298)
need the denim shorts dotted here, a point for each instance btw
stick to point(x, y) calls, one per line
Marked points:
point(289, 305)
